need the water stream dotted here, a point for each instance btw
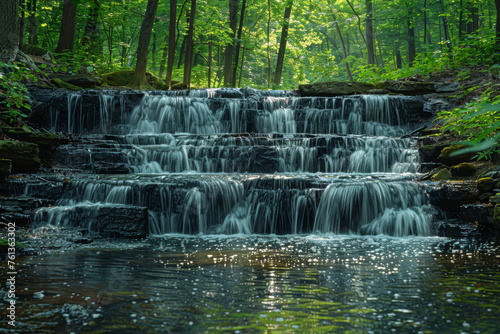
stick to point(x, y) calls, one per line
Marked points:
point(265, 212)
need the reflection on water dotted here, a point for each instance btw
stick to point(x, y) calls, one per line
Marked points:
point(242, 284)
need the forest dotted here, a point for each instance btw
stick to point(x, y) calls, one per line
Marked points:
point(261, 44)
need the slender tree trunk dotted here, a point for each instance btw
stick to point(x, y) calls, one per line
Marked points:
point(269, 44)
point(241, 68)
point(359, 22)
point(411, 36)
point(380, 52)
point(497, 29)
point(344, 50)
point(238, 42)
point(67, 34)
point(22, 6)
point(284, 38)
point(182, 52)
point(399, 61)
point(188, 62)
point(209, 63)
point(91, 29)
point(369, 32)
point(228, 54)
point(139, 81)
point(9, 38)
point(425, 22)
point(171, 42)
point(33, 30)
point(445, 27)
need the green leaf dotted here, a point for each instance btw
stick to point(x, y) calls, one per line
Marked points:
point(476, 147)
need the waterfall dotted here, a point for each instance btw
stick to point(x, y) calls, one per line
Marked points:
point(242, 161)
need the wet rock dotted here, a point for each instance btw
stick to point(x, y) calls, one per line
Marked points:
point(21, 220)
point(410, 87)
point(5, 168)
point(481, 214)
point(62, 84)
point(496, 215)
point(447, 157)
point(335, 88)
point(452, 194)
point(24, 155)
point(463, 169)
point(494, 199)
point(485, 197)
point(430, 153)
point(443, 175)
point(485, 184)
point(118, 221)
point(447, 87)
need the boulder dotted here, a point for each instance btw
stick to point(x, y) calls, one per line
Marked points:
point(495, 199)
point(496, 215)
point(77, 80)
point(485, 184)
point(5, 167)
point(24, 155)
point(443, 175)
point(410, 87)
point(445, 157)
point(463, 169)
point(42, 138)
point(430, 153)
point(62, 84)
point(335, 88)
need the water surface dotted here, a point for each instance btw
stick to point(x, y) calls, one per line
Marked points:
point(248, 284)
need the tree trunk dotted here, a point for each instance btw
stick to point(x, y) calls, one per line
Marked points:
point(22, 6)
point(67, 34)
point(228, 54)
point(33, 26)
point(238, 42)
point(188, 62)
point(139, 81)
point(497, 31)
point(171, 42)
point(369, 32)
point(268, 44)
point(91, 29)
point(209, 63)
point(399, 61)
point(425, 22)
point(445, 27)
point(284, 38)
point(411, 36)
point(344, 50)
point(241, 68)
point(9, 20)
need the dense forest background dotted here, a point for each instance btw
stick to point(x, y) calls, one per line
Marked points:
point(263, 44)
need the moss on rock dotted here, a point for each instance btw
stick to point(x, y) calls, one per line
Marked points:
point(62, 84)
point(445, 157)
point(485, 184)
point(463, 169)
point(24, 155)
point(443, 175)
point(45, 138)
point(123, 78)
point(496, 215)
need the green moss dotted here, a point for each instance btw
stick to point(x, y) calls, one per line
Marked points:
point(495, 199)
point(445, 154)
point(123, 78)
point(61, 84)
point(496, 214)
point(463, 169)
point(442, 175)
point(24, 155)
point(485, 184)
point(45, 138)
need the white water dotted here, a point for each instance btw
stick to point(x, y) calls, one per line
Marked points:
point(226, 183)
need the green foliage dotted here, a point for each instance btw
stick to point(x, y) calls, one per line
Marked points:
point(14, 92)
point(479, 121)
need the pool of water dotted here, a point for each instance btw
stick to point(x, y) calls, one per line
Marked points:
point(248, 284)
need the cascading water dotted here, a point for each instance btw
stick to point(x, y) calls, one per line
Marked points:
point(242, 161)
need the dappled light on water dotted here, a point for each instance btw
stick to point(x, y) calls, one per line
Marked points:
point(230, 284)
